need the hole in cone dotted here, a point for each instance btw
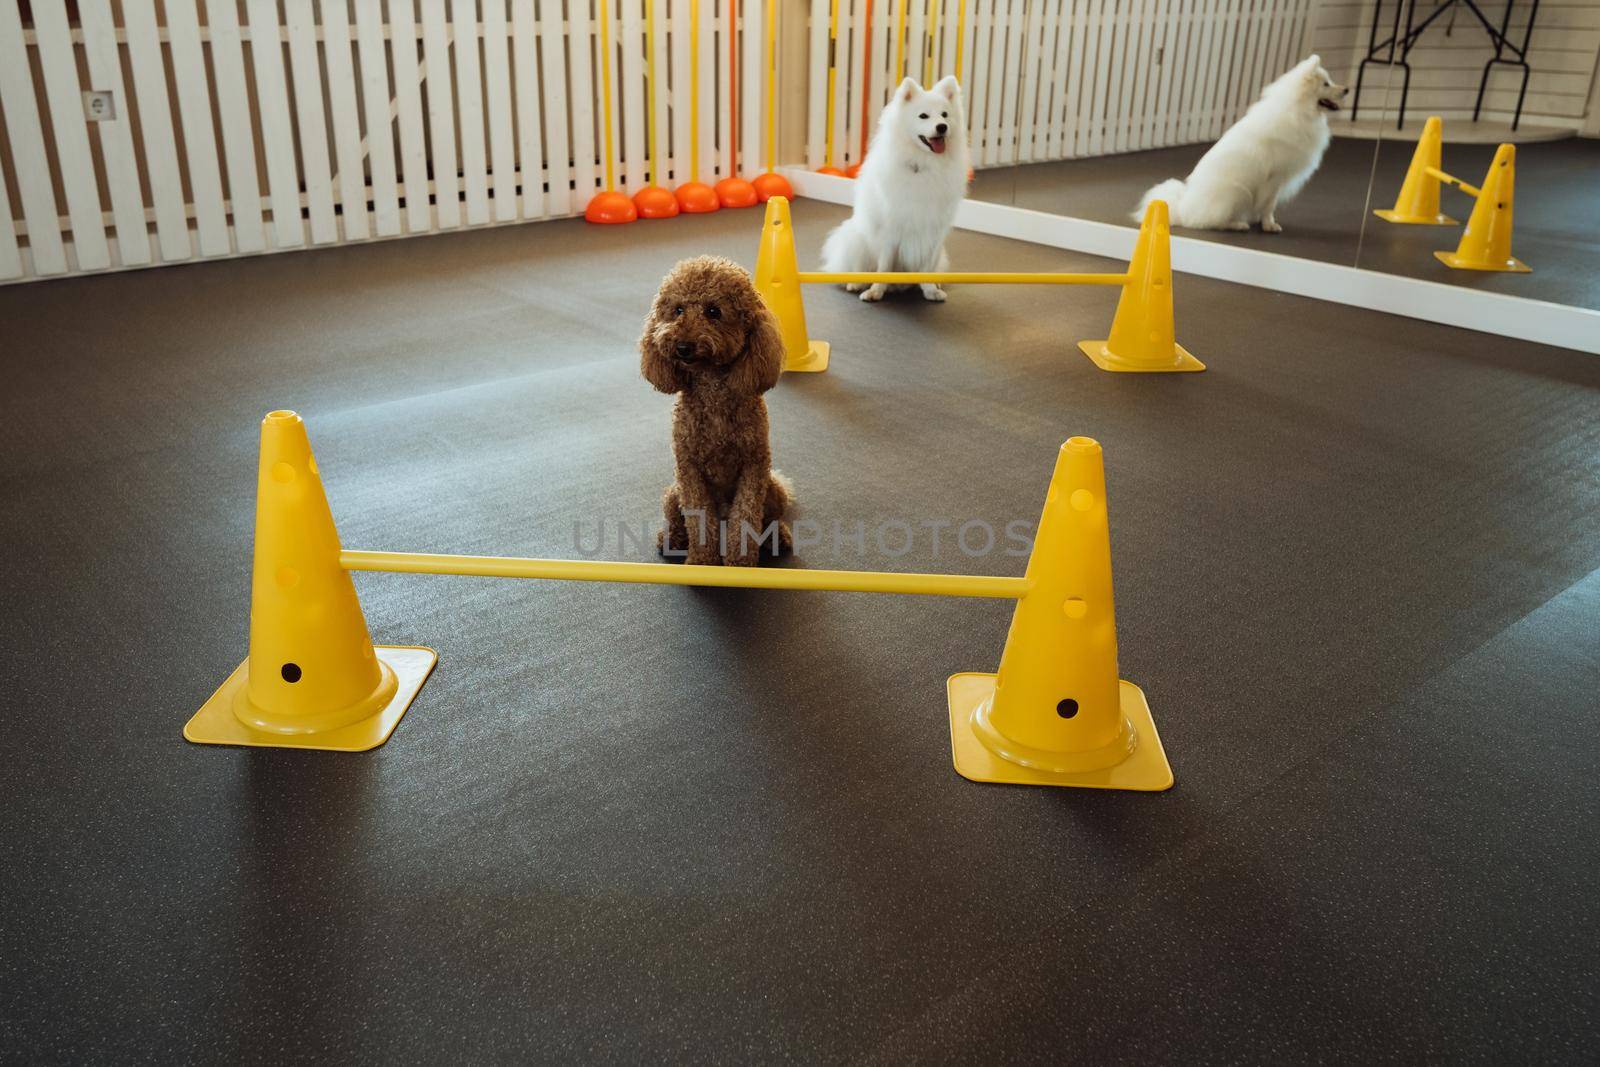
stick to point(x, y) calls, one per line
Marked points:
point(291, 672)
point(1067, 708)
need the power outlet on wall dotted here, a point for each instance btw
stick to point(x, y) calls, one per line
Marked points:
point(99, 105)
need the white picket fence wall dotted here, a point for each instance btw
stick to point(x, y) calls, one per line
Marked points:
point(349, 127)
point(1052, 79)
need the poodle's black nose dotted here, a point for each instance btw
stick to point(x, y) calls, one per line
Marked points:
point(939, 129)
point(683, 349)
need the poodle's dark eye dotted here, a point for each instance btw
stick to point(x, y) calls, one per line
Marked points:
point(923, 115)
point(677, 312)
point(713, 312)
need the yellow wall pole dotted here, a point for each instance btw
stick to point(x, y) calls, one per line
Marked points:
point(694, 90)
point(957, 278)
point(933, 41)
point(961, 33)
point(900, 44)
point(772, 83)
point(605, 84)
point(833, 55)
point(576, 570)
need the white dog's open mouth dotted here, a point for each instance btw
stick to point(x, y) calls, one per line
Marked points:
point(1329, 105)
point(935, 144)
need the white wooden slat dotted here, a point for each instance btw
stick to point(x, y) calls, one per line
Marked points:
point(237, 123)
point(1187, 91)
point(949, 31)
point(752, 79)
point(1210, 72)
point(664, 104)
point(27, 147)
point(852, 60)
point(441, 114)
point(1052, 57)
point(817, 84)
point(627, 42)
point(1217, 112)
point(917, 40)
point(844, 103)
point(1249, 57)
point(375, 98)
point(1006, 150)
point(10, 255)
point(1104, 91)
point(346, 123)
point(880, 80)
point(1173, 78)
point(64, 95)
point(994, 101)
point(587, 167)
point(530, 146)
point(1121, 72)
point(678, 47)
point(155, 127)
point(313, 128)
point(977, 62)
point(497, 93)
point(277, 128)
point(1089, 14)
point(1140, 136)
point(1167, 47)
point(469, 107)
point(553, 74)
point(1130, 33)
point(409, 115)
point(1074, 22)
point(199, 136)
point(116, 141)
point(1028, 99)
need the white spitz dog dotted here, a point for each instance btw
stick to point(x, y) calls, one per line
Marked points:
point(1262, 161)
point(907, 191)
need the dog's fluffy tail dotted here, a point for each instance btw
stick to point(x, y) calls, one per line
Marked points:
point(1171, 191)
point(785, 483)
point(845, 250)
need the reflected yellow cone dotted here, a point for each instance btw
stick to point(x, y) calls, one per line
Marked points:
point(1057, 713)
point(1486, 243)
point(1418, 202)
point(1142, 336)
point(313, 678)
point(778, 282)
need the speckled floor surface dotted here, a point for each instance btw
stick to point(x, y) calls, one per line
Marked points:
point(1556, 211)
point(1355, 575)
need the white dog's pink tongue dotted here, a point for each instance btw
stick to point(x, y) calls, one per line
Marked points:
point(937, 144)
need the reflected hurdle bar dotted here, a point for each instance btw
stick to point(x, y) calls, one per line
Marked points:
point(1056, 712)
point(1142, 335)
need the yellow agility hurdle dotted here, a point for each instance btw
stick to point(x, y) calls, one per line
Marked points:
point(1486, 243)
point(1141, 333)
point(1056, 713)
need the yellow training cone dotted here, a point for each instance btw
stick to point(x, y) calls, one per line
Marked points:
point(778, 282)
point(1057, 713)
point(1142, 333)
point(313, 679)
point(1418, 202)
point(1486, 244)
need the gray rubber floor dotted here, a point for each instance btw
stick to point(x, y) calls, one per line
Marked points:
point(1557, 212)
point(1355, 575)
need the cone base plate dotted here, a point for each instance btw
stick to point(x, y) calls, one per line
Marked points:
point(1146, 769)
point(1512, 266)
point(1097, 351)
point(1391, 215)
point(815, 359)
point(216, 724)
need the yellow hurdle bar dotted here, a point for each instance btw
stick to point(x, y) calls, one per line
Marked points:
point(1451, 179)
point(581, 570)
point(958, 278)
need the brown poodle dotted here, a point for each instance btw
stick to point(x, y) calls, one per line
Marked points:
point(712, 341)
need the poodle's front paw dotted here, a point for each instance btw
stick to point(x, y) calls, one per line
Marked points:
point(854, 287)
point(1238, 227)
point(933, 294)
point(874, 293)
point(1271, 226)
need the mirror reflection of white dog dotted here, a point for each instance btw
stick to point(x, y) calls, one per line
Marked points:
point(907, 190)
point(1262, 161)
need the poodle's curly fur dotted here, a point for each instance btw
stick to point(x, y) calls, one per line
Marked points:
point(711, 340)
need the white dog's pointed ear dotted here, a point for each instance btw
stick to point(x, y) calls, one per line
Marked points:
point(948, 87)
point(908, 89)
